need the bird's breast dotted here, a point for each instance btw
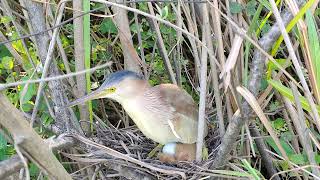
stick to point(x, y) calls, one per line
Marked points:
point(152, 122)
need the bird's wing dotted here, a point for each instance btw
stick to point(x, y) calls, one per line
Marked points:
point(179, 99)
point(184, 123)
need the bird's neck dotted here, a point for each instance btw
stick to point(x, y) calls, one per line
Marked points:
point(133, 93)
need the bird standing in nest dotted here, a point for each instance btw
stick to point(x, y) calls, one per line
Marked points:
point(164, 113)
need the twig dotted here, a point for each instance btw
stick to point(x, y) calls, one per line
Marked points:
point(257, 69)
point(302, 127)
point(128, 158)
point(53, 78)
point(47, 61)
point(22, 159)
point(32, 144)
point(52, 28)
point(132, 60)
point(296, 63)
point(80, 58)
point(160, 44)
point(203, 82)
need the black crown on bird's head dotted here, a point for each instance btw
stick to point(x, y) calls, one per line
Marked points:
point(121, 75)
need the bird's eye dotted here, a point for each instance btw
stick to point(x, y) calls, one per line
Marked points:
point(112, 89)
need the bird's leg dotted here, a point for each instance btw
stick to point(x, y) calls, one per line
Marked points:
point(154, 150)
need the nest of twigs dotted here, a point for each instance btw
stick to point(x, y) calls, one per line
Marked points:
point(123, 154)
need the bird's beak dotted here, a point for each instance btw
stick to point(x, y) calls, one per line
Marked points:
point(91, 96)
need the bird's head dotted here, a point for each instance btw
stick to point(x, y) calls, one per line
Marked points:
point(119, 86)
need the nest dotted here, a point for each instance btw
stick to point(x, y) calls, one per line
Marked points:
point(131, 160)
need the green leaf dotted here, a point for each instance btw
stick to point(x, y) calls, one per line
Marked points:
point(314, 46)
point(31, 90)
point(4, 51)
point(283, 143)
point(292, 24)
point(46, 119)
point(266, 4)
point(285, 91)
point(28, 106)
point(5, 19)
point(107, 26)
point(278, 124)
point(282, 62)
point(251, 7)
point(34, 170)
point(235, 7)
point(164, 12)
point(299, 159)
point(7, 62)
point(272, 67)
point(3, 148)
point(250, 169)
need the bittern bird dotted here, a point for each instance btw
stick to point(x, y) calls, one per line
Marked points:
point(164, 113)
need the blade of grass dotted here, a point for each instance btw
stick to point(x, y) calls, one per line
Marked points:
point(87, 49)
point(314, 49)
point(291, 24)
point(287, 92)
point(251, 170)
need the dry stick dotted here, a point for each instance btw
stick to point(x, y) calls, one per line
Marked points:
point(248, 96)
point(23, 160)
point(36, 23)
point(256, 73)
point(295, 142)
point(79, 56)
point(48, 61)
point(175, 27)
point(295, 62)
point(160, 44)
point(4, 86)
point(215, 83)
point(203, 82)
point(12, 165)
point(131, 57)
point(62, 54)
point(18, 28)
point(29, 141)
point(117, 154)
point(51, 28)
point(139, 27)
point(240, 31)
point(307, 146)
point(191, 28)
